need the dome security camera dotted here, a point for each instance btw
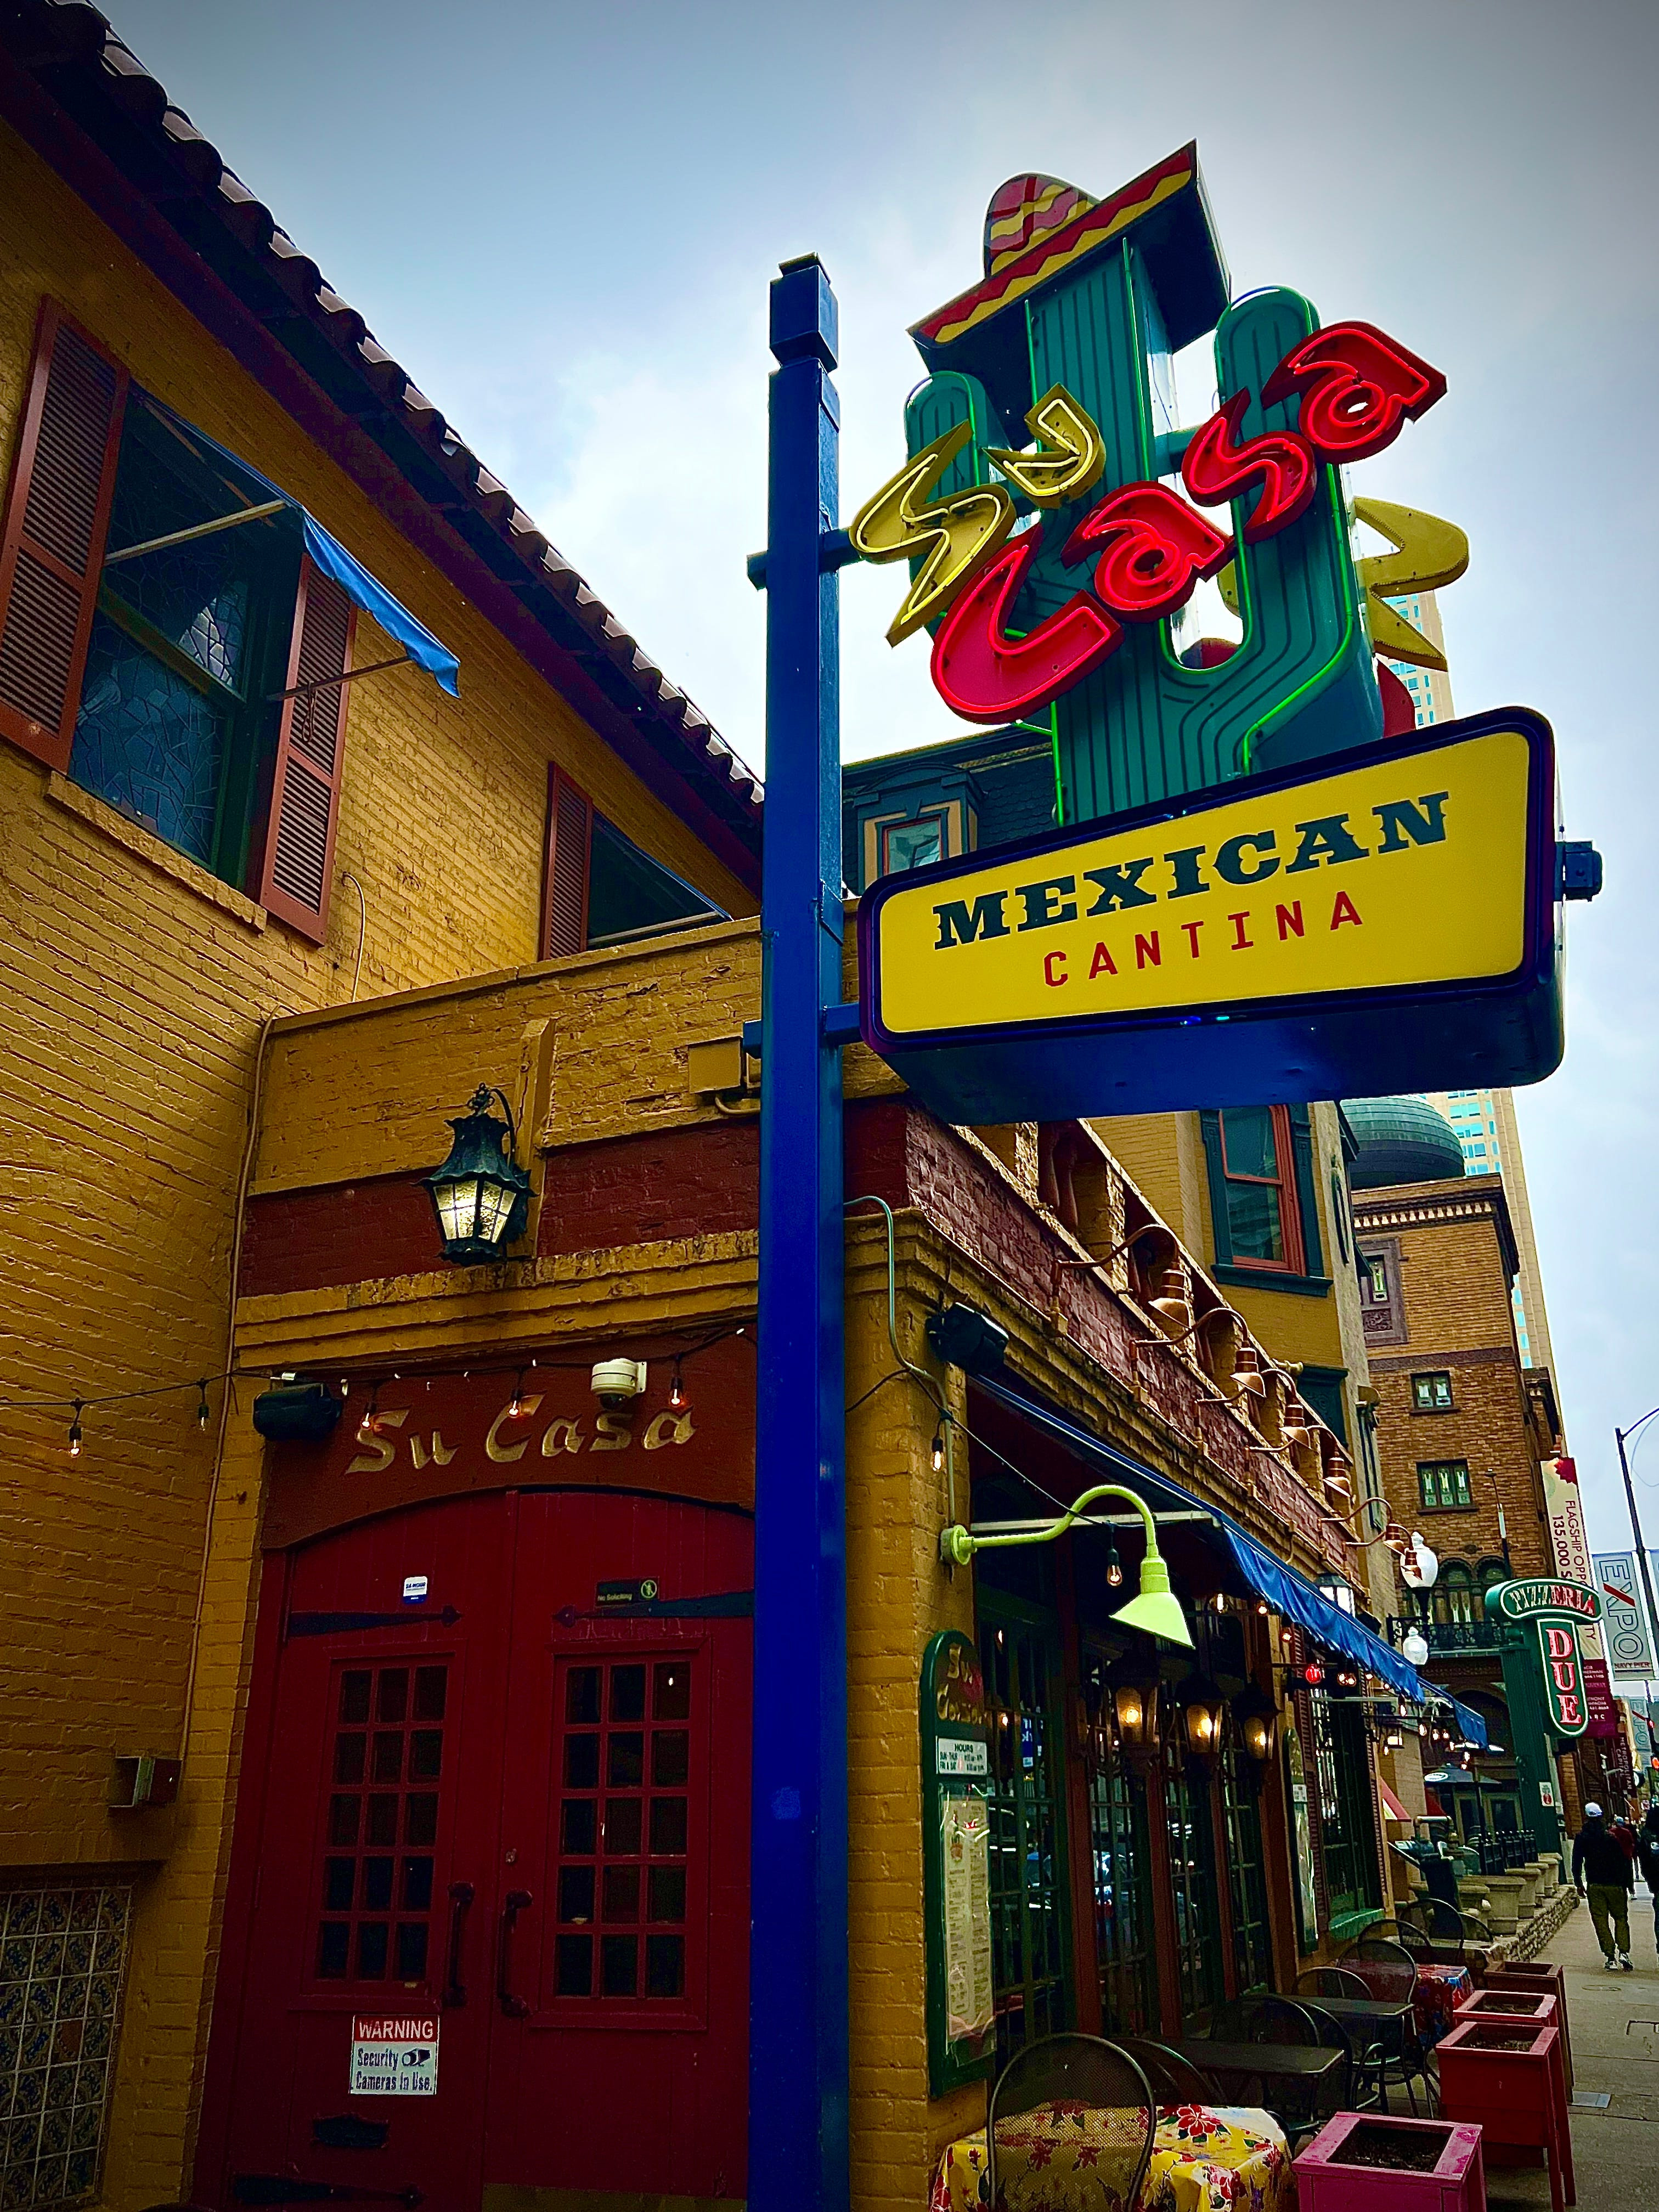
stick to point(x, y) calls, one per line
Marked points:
point(617, 1382)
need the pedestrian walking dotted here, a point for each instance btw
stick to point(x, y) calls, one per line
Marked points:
point(1602, 1873)
point(1647, 1853)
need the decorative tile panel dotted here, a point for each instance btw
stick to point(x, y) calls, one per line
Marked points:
point(63, 1966)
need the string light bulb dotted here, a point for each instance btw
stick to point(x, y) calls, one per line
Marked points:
point(939, 1451)
point(1114, 1568)
point(677, 1391)
point(201, 1408)
point(75, 1429)
point(517, 1408)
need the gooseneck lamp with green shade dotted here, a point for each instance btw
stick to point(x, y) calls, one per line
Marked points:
point(1155, 1609)
point(481, 1195)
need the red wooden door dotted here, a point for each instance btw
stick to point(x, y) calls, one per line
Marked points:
point(532, 1829)
point(368, 1805)
point(621, 2059)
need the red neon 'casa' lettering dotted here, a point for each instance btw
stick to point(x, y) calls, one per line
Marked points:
point(1359, 387)
point(1155, 549)
point(1214, 469)
point(986, 676)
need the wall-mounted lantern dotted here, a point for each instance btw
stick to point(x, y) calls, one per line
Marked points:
point(1257, 1718)
point(1200, 1711)
point(1134, 1703)
point(481, 1195)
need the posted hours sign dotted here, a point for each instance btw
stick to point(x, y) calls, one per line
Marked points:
point(394, 2055)
point(1386, 923)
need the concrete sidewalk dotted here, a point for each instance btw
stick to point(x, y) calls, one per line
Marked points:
point(1615, 2051)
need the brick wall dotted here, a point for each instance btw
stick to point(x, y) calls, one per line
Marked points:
point(135, 986)
point(1454, 1311)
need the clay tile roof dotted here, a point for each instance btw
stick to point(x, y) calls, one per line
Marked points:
point(67, 61)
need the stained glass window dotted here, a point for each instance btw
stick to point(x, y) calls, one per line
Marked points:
point(63, 1961)
point(186, 647)
point(149, 742)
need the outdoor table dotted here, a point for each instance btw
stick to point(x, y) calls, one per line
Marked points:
point(1261, 2062)
point(1440, 1990)
point(1202, 2156)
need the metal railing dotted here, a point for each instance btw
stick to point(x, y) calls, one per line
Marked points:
point(1446, 1635)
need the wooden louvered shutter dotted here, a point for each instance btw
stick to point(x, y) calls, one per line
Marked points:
point(564, 875)
point(293, 868)
point(52, 544)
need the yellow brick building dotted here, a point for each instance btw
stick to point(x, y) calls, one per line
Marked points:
point(420, 1682)
point(138, 983)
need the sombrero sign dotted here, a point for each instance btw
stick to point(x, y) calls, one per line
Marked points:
point(1271, 884)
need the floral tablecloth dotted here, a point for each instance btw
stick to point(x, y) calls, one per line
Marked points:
point(1067, 2158)
point(1440, 1990)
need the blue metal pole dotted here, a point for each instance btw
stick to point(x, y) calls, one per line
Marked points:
point(798, 2023)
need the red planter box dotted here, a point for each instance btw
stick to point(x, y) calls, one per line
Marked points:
point(1531, 2009)
point(1370, 2162)
point(1538, 1977)
point(1505, 2076)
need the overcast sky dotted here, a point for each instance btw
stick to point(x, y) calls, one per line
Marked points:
point(562, 221)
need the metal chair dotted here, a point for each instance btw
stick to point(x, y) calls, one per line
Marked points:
point(1365, 2051)
point(1303, 2108)
point(1069, 2077)
point(1331, 1982)
point(1389, 1971)
point(1174, 2080)
point(1445, 1934)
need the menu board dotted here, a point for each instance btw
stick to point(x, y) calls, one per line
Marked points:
point(965, 1839)
point(956, 1791)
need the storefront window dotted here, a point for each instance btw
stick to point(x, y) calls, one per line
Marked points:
point(1345, 1807)
point(1031, 1951)
point(1125, 1943)
point(1192, 1877)
point(1241, 1805)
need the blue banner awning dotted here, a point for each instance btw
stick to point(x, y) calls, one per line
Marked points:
point(1474, 1729)
point(1286, 1591)
point(363, 590)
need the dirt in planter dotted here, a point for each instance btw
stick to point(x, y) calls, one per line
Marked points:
point(1394, 2151)
point(1493, 2038)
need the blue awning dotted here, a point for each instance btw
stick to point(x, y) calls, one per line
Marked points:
point(363, 590)
point(1474, 1730)
point(1286, 1591)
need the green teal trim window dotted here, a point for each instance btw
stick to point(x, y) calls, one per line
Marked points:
point(1126, 1944)
point(1030, 1931)
point(1347, 1824)
point(1263, 1209)
point(1431, 1393)
point(1191, 1837)
point(1442, 1485)
point(1246, 1879)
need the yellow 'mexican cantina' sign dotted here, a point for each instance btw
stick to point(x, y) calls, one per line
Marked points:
point(1401, 872)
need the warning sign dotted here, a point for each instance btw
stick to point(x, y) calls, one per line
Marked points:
point(394, 2056)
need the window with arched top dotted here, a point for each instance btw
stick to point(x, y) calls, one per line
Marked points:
point(1455, 1599)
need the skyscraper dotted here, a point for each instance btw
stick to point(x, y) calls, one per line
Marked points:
point(1484, 1120)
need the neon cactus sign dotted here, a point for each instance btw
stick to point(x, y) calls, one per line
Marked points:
point(1050, 566)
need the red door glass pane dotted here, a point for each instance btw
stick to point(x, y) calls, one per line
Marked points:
point(374, 1885)
point(620, 1879)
